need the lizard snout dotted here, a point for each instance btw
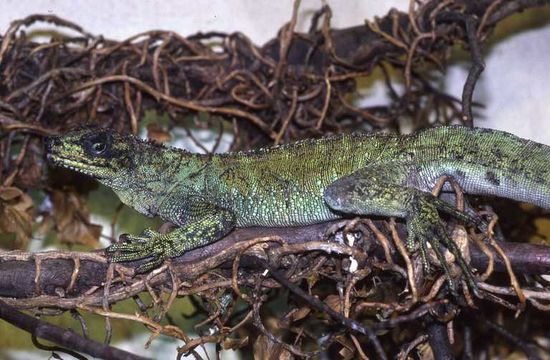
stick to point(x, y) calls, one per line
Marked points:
point(51, 142)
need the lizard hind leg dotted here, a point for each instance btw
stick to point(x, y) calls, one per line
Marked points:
point(424, 224)
point(382, 190)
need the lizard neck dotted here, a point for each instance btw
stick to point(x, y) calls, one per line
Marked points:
point(155, 173)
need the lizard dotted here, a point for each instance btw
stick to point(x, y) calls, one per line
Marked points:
point(306, 182)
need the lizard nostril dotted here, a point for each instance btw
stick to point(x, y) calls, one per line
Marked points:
point(52, 141)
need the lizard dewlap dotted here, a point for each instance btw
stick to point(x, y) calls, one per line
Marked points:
point(306, 182)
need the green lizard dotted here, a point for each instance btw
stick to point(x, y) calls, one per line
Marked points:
point(306, 182)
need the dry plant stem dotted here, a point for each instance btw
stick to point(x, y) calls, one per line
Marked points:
point(513, 280)
point(76, 315)
point(286, 40)
point(106, 307)
point(382, 239)
point(193, 139)
point(149, 278)
point(467, 295)
point(9, 179)
point(155, 57)
point(365, 305)
point(193, 343)
point(236, 262)
point(39, 257)
point(168, 330)
point(328, 89)
point(14, 26)
point(412, 316)
point(526, 347)
point(319, 305)
point(289, 117)
point(173, 293)
point(208, 320)
point(234, 278)
point(403, 251)
point(491, 264)
point(529, 294)
point(357, 276)
point(478, 65)
point(329, 41)
point(9, 124)
point(374, 27)
point(63, 337)
point(128, 102)
point(74, 274)
point(55, 349)
point(540, 306)
point(498, 300)
point(456, 188)
point(140, 285)
point(485, 16)
point(412, 19)
point(191, 105)
point(410, 56)
point(358, 347)
point(404, 353)
point(291, 348)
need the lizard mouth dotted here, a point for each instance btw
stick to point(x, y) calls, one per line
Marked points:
point(78, 166)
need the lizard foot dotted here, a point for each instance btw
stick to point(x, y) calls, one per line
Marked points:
point(150, 244)
point(425, 225)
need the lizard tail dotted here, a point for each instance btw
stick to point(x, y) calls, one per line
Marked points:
point(491, 162)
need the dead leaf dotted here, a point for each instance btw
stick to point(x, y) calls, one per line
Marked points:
point(234, 344)
point(264, 348)
point(348, 349)
point(297, 314)
point(16, 215)
point(9, 193)
point(334, 302)
point(31, 174)
point(155, 132)
point(71, 219)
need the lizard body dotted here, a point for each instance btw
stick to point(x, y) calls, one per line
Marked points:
point(302, 183)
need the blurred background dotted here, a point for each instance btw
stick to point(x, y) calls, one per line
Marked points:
point(514, 86)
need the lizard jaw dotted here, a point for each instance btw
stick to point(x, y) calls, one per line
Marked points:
point(87, 169)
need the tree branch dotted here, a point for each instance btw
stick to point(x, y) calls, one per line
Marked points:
point(18, 271)
point(61, 336)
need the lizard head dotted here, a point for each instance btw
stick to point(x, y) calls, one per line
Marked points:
point(100, 153)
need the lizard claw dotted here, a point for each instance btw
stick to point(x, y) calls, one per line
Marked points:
point(149, 244)
point(425, 226)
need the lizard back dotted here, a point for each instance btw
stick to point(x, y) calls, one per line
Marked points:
point(283, 186)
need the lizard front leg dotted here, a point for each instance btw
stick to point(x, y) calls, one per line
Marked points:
point(200, 223)
point(382, 190)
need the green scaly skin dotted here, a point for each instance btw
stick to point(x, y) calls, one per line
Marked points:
point(306, 182)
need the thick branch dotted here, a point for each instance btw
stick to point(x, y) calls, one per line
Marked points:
point(61, 336)
point(17, 275)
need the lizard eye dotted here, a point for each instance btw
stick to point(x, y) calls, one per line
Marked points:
point(98, 144)
point(98, 148)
